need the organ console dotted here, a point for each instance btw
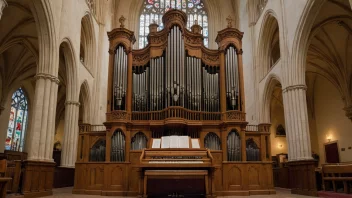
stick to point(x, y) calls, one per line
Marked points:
point(175, 88)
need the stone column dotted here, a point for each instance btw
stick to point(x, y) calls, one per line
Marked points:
point(69, 146)
point(3, 4)
point(297, 126)
point(40, 142)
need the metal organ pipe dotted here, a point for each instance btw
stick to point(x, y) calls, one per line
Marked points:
point(232, 79)
point(119, 81)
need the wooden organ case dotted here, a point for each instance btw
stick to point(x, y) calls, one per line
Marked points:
point(175, 87)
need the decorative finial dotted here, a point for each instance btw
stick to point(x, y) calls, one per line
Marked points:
point(229, 21)
point(154, 21)
point(196, 22)
point(122, 21)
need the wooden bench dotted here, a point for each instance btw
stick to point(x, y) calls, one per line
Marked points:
point(337, 173)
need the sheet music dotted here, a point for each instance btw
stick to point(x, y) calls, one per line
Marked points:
point(156, 143)
point(173, 141)
point(195, 143)
point(165, 142)
point(183, 142)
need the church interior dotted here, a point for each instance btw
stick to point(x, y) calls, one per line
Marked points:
point(176, 98)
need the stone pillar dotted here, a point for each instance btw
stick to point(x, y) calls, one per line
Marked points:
point(69, 146)
point(3, 4)
point(40, 144)
point(297, 126)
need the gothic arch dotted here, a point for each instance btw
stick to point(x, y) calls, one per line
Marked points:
point(269, 43)
point(71, 69)
point(85, 102)
point(88, 43)
point(296, 71)
point(272, 81)
point(48, 61)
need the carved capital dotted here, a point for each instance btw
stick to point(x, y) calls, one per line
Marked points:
point(47, 76)
point(348, 112)
point(294, 87)
point(72, 103)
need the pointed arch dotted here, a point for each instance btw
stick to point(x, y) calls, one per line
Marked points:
point(296, 71)
point(48, 59)
point(269, 49)
point(85, 100)
point(88, 43)
point(67, 50)
point(272, 81)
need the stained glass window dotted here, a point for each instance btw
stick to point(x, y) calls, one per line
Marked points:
point(155, 9)
point(18, 122)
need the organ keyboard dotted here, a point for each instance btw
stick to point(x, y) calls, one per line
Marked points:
point(182, 171)
point(181, 158)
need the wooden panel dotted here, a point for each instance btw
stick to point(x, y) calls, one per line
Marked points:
point(80, 176)
point(115, 177)
point(233, 176)
point(63, 177)
point(302, 177)
point(37, 178)
point(253, 177)
point(95, 176)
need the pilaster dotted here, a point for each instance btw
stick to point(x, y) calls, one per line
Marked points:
point(296, 119)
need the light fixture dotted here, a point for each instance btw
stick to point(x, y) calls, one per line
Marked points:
point(328, 137)
point(279, 145)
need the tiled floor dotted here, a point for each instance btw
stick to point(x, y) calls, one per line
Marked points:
point(67, 193)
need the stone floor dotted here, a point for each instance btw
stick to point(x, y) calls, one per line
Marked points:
point(67, 193)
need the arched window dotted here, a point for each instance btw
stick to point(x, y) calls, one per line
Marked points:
point(154, 10)
point(18, 122)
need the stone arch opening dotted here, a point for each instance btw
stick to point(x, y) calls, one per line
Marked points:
point(269, 51)
point(84, 100)
point(87, 44)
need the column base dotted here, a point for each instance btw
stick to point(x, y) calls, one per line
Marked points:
point(302, 177)
point(38, 178)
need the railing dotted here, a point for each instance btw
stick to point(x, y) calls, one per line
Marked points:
point(265, 128)
point(177, 113)
point(91, 128)
point(252, 128)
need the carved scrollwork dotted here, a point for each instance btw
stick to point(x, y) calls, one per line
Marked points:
point(116, 115)
point(140, 58)
point(235, 115)
point(210, 59)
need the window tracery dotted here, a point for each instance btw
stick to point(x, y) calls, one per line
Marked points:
point(17, 122)
point(154, 10)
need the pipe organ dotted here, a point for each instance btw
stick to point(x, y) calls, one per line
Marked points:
point(175, 116)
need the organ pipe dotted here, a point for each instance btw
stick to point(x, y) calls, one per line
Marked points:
point(119, 79)
point(232, 79)
point(118, 147)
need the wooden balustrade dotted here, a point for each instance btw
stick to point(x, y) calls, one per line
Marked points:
point(252, 128)
point(84, 128)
